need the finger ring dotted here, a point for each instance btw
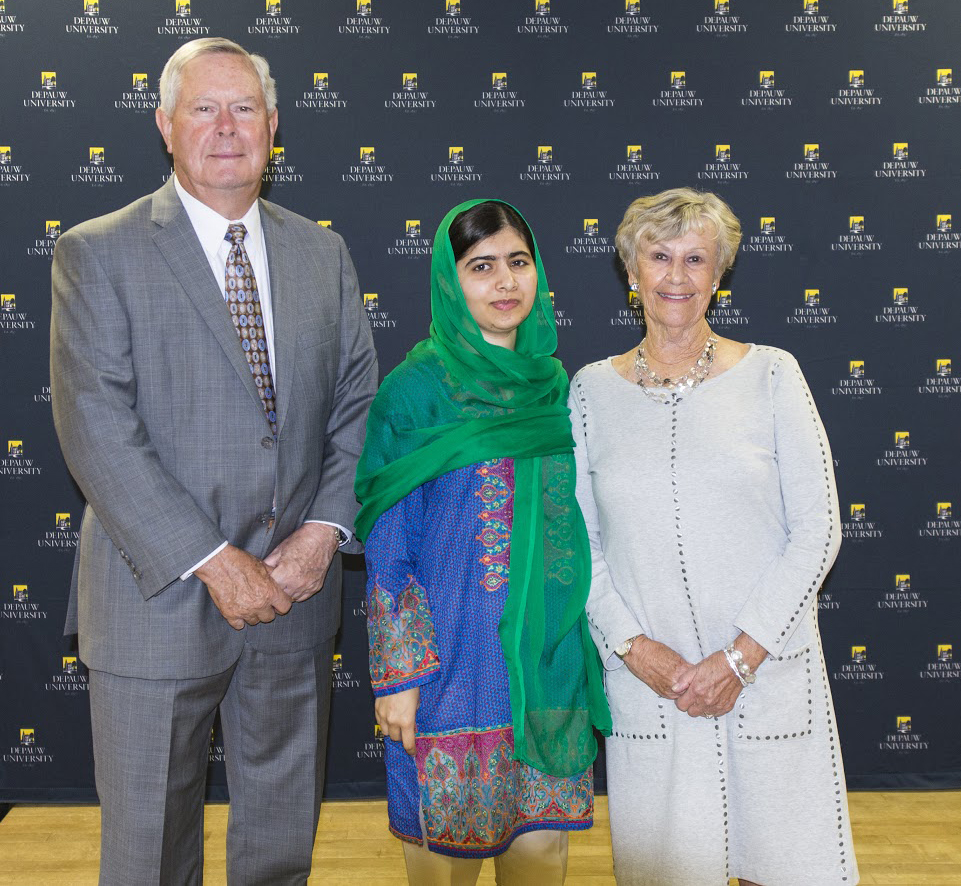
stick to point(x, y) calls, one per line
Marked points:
point(708, 716)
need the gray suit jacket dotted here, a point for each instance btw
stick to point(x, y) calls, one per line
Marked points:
point(162, 428)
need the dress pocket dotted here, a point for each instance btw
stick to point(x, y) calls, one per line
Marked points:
point(780, 705)
point(636, 710)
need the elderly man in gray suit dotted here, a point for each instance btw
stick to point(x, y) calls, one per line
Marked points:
point(212, 367)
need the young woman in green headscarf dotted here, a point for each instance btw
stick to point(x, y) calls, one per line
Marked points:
point(488, 687)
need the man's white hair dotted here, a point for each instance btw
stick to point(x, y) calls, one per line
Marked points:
point(172, 76)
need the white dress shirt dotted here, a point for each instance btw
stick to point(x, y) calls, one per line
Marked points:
point(211, 229)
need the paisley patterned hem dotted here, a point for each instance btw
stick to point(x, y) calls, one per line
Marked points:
point(476, 798)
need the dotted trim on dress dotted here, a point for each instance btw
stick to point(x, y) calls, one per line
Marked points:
point(827, 470)
point(675, 493)
point(801, 733)
point(837, 773)
point(639, 736)
point(722, 773)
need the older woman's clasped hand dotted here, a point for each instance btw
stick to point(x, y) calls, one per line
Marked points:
point(709, 688)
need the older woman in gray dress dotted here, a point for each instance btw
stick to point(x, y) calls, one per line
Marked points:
point(706, 481)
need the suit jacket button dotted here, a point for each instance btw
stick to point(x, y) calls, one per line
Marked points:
point(267, 442)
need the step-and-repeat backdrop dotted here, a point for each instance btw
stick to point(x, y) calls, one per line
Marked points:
point(833, 129)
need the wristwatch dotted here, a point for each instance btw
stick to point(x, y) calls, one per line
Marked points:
point(625, 647)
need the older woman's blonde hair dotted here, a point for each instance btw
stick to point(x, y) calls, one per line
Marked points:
point(672, 214)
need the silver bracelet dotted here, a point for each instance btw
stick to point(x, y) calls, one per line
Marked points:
point(740, 667)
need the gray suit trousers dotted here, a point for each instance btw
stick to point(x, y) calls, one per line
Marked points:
point(150, 778)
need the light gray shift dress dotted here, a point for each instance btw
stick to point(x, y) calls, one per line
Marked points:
point(710, 516)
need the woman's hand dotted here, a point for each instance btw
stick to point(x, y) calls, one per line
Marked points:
point(659, 666)
point(713, 688)
point(397, 716)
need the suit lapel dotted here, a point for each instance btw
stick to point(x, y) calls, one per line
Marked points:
point(281, 263)
point(178, 243)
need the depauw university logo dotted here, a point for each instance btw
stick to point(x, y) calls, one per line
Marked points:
point(902, 581)
point(140, 83)
point(899, 150)
point(943, 76)
point(48, 79)
point(97, 156)
point(62, 521)
point(412, 227)
point(899, 295)
point(942, 366)
point(591, 227)
point(859, 653)
point(635, 153)
point(455, 154)
point(8, 301)
point(409, 81)
point(276, 154)
point(855, 79)
point(28, 735)
point(722, 153)
point(371, 301)
point(364, 7)
point(902, 439)
point(545, 154)
point(20, 593)
point(452, 7)
point(903, 724)
point(943, 510)
point(678, 79)
point(812, 151)
point(856, 224)
point(943, 223)
point(766, 79)
point(273, 7)
point(858, 512)
point(91, 7)
point(325, 223)
point(945, 652)
point(367, 156)
point(6, 155)
point(70, 665)
point(321, 81)
point(499, 80)
point(182, 8)
point(15, 448)
point(589, 80)
point(542, 7)
point(768, 224)
point(856, 368)
point(52, 228)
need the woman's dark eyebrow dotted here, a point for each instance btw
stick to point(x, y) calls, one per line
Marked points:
point(494, 257)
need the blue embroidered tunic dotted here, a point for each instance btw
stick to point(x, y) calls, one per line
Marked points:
point(438, 576)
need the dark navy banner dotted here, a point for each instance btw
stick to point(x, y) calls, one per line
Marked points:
point(831, 127)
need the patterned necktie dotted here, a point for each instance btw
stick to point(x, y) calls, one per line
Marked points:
point(244, 302)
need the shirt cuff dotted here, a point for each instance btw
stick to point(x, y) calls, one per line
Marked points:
point(348, 536)
point(197, 566)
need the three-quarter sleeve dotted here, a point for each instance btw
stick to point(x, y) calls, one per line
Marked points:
point(610, 619)
point(400, 628)
point(789, 585)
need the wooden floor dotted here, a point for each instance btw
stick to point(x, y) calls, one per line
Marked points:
point(901, 839)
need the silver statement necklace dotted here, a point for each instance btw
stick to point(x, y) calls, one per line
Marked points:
point(670, 390)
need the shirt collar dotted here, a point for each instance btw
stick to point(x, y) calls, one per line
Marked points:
point(211, 226)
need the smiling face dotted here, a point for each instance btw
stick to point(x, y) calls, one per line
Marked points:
point(675, 279)
point(220, 133)
point(499, 280)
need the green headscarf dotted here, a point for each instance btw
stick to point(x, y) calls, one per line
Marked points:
point(455, 401)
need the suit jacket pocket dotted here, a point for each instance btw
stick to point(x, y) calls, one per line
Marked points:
point(779, 707)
